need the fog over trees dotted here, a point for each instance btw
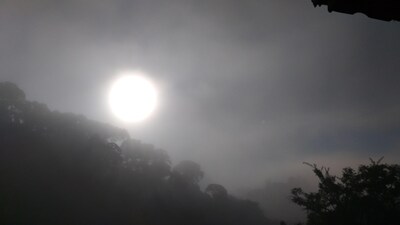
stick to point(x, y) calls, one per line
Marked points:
point(275, 199)
point(60, 168)
point(63, 168)
point(199, 112)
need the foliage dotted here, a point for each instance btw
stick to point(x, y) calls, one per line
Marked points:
point(61, 168)
point(190, 171)
point(367, 196)
point(217, 191)
point(10, 91)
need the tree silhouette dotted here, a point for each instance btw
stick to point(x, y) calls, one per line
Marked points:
point(10, 91)
point(366, 196)
point(383, 10)
point(190, 171)
point(62, 168)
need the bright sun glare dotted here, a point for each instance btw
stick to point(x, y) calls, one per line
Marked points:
point(132, 97)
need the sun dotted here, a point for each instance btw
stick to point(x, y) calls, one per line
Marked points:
point(132, 97)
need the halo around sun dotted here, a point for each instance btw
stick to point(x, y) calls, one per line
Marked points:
point(132, 97)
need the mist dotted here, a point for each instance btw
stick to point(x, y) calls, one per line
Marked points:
point(248, 89)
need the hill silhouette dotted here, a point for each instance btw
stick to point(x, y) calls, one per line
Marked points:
point(62, 168)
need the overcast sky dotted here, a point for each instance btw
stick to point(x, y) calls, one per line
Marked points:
point(249, 89)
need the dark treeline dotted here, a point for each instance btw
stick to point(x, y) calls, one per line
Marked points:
point(58, 168)
point(368, 195)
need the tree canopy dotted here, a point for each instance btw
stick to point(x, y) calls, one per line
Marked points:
point(369, 195)
point(62, 168)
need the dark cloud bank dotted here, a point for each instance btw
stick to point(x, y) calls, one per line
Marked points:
point(250, 89)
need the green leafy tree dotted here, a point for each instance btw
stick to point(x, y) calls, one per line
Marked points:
point(366, 196)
